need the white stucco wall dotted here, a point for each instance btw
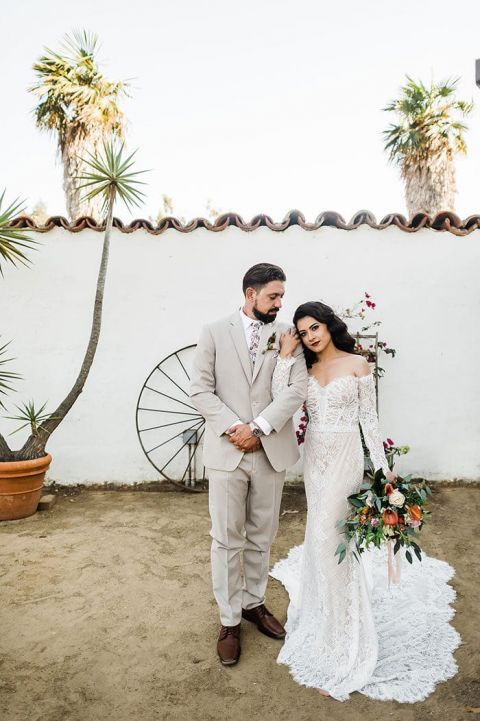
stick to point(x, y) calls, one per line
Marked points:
point(161, 289)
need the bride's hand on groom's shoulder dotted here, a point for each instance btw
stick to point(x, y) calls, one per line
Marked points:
point(289, 342)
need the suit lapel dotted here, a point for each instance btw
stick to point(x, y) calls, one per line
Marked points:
point(238, 336)
point(267, 330)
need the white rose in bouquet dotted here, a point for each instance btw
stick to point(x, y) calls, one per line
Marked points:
point(396, 499)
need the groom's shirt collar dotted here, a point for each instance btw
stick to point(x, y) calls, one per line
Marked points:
point(247, 322)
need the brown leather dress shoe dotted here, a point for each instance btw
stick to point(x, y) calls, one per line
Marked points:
point(265, 621)
point(228, 645)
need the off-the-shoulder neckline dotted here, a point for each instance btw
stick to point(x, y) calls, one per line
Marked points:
point(338, 378)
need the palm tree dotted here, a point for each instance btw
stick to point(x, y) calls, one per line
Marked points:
point(424, 142)
point(80, 106)
point(107, 177)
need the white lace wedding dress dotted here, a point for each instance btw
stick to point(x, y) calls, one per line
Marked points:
point(347, 630)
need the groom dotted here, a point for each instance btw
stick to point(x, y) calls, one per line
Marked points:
point(249, 442)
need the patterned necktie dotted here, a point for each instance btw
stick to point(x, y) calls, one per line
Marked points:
point(254, 340)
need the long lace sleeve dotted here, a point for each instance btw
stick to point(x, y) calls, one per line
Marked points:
point(369, 422)
point(281, 374)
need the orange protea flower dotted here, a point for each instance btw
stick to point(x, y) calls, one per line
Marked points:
point(415, 512)
point(389, 489)
point(390, 518)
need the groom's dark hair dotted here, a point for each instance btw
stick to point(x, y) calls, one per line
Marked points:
point(259, 275)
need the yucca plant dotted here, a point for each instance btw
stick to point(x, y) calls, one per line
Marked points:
point(6, 377)
point(424, 141)
point(13, 241)
point(80, 106)
point(13, 244)
point(109, 177)
point(29, 415)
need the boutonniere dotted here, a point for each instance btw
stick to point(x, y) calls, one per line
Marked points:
point(271, 343)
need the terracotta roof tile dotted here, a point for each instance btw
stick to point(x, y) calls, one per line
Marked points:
point(444, 221)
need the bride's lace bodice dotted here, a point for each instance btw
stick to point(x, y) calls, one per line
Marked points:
point(339, 407)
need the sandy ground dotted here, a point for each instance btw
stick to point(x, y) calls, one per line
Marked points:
point(107, 614)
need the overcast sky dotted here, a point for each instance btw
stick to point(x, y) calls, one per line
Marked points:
point(259, 105)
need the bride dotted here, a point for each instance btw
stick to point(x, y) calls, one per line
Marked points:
point(346, 629)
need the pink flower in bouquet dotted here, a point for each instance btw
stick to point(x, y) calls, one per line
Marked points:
point(368, 499)
point(374, 522)
point(413, 523)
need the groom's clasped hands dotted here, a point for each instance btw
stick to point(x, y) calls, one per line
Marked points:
point(242, 437)
point(241, 434)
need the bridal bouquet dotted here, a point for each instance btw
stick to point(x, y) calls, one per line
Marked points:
point(384, 512)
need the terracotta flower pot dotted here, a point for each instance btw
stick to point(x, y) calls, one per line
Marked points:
point(21, 485)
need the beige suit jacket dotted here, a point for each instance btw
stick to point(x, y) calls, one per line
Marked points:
point(224, 389)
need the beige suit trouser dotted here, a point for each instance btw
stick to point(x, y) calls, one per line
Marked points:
point(244, 509)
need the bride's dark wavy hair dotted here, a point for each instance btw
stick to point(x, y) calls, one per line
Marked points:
point(341, 338)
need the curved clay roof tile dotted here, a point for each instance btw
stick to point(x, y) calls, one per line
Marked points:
point(444, 221)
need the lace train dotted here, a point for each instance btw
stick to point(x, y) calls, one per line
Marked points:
point(415, 638)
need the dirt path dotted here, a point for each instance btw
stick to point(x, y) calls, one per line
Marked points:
point(107, 615)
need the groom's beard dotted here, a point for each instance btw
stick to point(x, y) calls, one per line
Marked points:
point(264, 317)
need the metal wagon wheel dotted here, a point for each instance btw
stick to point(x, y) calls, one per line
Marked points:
point(169, 428)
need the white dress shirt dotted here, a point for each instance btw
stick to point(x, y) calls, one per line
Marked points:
point(263, 424)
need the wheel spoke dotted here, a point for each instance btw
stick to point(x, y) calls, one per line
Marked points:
point(176, 436)
point(176, 454)
point(176, 356)
point(174, 382)
point(190, 460)
point(164, 425)
point(176, 413)
point(165, 395)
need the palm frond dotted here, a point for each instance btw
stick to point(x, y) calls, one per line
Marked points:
point(13, 241)
point(29, 415)
point(81, 44)
point(6, 377)
point(72, 88)
point(109, 171)
point(429, 121)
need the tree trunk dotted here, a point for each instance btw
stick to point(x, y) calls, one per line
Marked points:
point(72, 152)
point(5, 453)
point(430, 185)
point(35, 445)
